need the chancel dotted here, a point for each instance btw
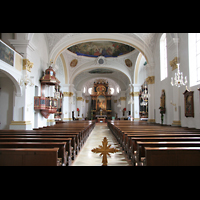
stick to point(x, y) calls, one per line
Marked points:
point(101, 100)
point(62, 93)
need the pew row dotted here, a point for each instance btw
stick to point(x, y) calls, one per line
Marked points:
point(67, 136)
point(135, 137)
point(29, 157)
point(172, 156)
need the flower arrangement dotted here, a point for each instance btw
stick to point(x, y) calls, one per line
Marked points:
point(78, 111)
point(124, 111)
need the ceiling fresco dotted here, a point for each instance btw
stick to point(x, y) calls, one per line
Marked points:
point(101, 48)
point(101, 71)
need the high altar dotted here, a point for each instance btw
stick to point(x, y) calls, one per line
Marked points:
point(101, 100)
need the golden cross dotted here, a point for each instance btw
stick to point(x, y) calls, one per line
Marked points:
point(104, 150)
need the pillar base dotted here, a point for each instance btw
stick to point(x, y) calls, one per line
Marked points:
point(67, 119)
point(50, 122)
point(20, 125)
point(151, 121)
point(176, 123)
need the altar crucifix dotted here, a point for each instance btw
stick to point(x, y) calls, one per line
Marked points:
point(104, 150)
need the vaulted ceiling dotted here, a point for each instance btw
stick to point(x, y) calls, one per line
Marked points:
point(91, 44)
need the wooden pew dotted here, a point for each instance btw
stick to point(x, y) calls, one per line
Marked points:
point(67, 140)
point(141, 147)
point(73, 134)
point(28, 157)
point(172, 156)
point(74, 138)
point(128, 142)
point(156, 139)
point(61, 145)
point(129, 134)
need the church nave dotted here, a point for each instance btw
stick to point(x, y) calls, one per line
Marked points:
point(87, 158)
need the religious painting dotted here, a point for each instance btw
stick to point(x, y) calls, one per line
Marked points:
point(189, 103)
point(6, 54)
point(101, 90)
point(101, 48)
point(101, 102)
point(74, 63)
point(128, 63)
point(101, 71)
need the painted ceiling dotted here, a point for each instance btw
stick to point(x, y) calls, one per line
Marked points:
point(101, 71)
point(101, 48)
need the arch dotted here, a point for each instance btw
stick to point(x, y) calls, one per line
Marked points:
point(18, 91)
point(137, 64)
point(65, 68)
point(86, 67)
point(73, 39)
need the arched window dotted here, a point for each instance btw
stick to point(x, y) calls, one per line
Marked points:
point(194, 58)
point(163, 57)
point(90, 90)
point(112, 90)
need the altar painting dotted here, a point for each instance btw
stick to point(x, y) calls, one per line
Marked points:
point(101, 102)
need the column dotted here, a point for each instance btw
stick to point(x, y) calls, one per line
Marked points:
point(151, 91)
point(22, 105)
point(151, 88)
point(136, 102)
point(66, 104)
point(51, 120)
point(79, 100)
point(22, 110)
point(123, 104)
point(87, 107)
point(131, 96)
point(176, 109)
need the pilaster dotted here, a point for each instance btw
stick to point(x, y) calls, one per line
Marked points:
point(22, 110)
point(136, 102)
point(66, 104)
point(79, 102)
point(176, 110)
point(151, 91)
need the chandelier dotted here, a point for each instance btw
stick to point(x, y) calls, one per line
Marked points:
point(145, 95)
point(26, 81)
point(131, 101)
point(178, 78)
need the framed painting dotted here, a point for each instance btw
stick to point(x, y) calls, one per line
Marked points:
point(101, 102)
point(6, 54)
point(189, 103)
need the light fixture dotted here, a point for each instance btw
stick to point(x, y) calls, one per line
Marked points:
point(144, 95)
point(119, 105)
point(26, 80)
point(178, 78)
point(131, 101)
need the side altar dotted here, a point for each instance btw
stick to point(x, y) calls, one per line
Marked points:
point(101, 100)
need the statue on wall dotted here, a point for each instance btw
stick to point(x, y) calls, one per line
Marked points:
point(162, 105)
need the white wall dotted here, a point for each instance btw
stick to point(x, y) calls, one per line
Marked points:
point(6, 100)
point(40, 59)
point(172, 93)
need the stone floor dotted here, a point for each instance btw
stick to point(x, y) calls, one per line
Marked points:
point(87, 158)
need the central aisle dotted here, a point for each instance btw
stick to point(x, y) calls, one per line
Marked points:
point(88, 158)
